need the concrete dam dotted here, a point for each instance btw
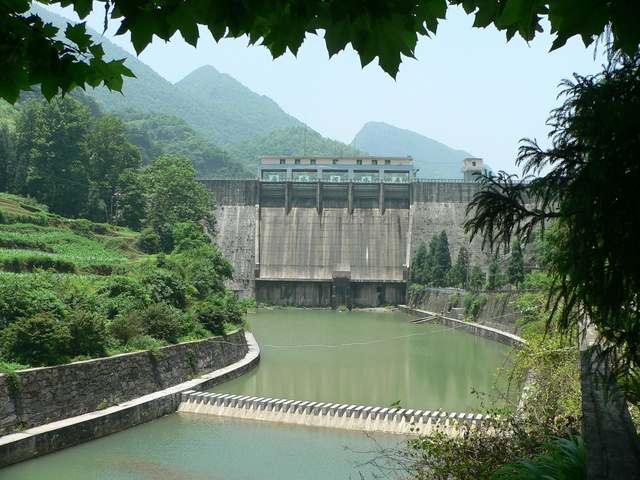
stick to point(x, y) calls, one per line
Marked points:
point(326, 243)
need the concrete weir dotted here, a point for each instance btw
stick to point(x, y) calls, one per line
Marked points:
point(330, 415)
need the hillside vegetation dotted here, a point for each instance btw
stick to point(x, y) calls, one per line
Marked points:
point(158, 134)
point(74, 289)
point(294, 141)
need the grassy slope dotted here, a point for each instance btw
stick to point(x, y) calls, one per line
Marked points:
point(28, 231)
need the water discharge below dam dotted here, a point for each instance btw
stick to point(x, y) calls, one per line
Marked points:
point(356, 357)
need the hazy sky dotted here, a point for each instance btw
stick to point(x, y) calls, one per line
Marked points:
point(468, 88)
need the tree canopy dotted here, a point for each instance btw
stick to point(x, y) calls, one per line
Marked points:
point(35, 52)
point(591, 190)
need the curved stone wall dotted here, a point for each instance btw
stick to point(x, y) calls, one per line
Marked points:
point(54, 393)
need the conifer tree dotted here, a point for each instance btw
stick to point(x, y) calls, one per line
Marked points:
point(477, 278)
point(459, 274)
point(418, 263)
point(441, 260)
point(515, 267)
point(496, 279)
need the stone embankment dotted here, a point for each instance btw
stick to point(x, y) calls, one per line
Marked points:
point(139, 387)
point(496, 312)
point(470, 327)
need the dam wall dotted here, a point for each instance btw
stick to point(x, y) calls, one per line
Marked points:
point(442, 205)
point(305, 245)
point(324, 244)
point(236, 221)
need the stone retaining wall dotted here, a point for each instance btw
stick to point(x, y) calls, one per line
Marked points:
point(496, 313)
point(471, 327)
point(54, 393)
point(72, 431)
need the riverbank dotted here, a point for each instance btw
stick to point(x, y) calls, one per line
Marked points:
point(470, 327)
point(57, 435)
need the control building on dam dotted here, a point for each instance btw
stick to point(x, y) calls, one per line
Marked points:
point(326, 232)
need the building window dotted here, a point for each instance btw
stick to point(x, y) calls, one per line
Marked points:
point(313, 161)
point(282, 161)
point(473, 163)
point(335, 161)
point(297, 161)
point(387, 162)
point(358, 162)
point(374, 162)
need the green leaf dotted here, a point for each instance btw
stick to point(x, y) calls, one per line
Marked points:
point(49, 88)
point(587, 18)
point(185, 18)
point(486, 15)
point(82, 7)
point(625, 18)
point(17, 6)
point(13, 79)
point(78, 34)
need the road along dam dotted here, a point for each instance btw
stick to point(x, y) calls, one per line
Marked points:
point(320, 243)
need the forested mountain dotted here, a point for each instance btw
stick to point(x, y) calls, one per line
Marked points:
point(208, 111)
point(238, 112)
point(432, 158)
point(214, 104)
point(163, 134)
point(290, 142)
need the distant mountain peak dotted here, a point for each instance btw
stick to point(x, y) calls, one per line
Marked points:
point(202, 72)
point(432, 158)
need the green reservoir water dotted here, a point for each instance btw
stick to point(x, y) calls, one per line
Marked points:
point(200, 447)
point(351, 357)
point(367, 358)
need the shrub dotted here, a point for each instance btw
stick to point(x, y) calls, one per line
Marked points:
point(126, 327)
point(165, 286)
point(473, 304)
point(211, 316)
point(148, 242)
point(454, 299)
point(536, 280)
point(116, 286)
point(37, 341)
point(26, 296)
point(21, 264)
point(121, 295)
point(189, 236)
point(415, 290)
point(162, 322)
point(18, 243)
point(11, 377)
point(145, 342)
point(88, 335)
point(87, 228)
point(567, 459)
point(221, 310)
